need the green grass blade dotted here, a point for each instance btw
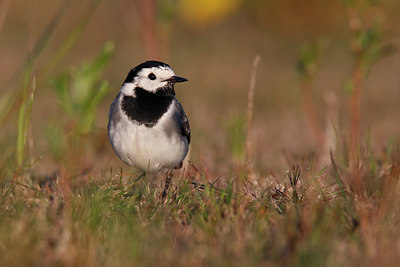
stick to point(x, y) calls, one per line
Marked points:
point(70, 39)
point(21, 117)
point(24, 116)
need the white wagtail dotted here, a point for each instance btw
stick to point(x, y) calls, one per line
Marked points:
point(147, 126)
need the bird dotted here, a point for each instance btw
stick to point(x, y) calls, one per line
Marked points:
point(148, 127)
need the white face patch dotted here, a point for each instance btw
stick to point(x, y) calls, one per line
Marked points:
point(151, 79)
point(127, 89)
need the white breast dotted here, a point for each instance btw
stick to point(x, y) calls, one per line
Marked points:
point(149, 149)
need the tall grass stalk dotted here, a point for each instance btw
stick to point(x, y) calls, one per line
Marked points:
point(355, 25)
point(24, 115)
point(71, 38)
point(250, 104)
point(365, 23)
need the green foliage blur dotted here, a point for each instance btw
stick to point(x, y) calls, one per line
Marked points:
point(236, 135)
point(79, 93)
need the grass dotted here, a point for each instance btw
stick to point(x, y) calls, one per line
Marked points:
point(308, 219)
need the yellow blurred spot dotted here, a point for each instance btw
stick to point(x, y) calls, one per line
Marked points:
point(202, 12)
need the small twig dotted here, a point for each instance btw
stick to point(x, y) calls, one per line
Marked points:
point(339, 181)
point(203, 186)
point(211, 184)
point(194, 167)
point(107, 184)
point(140, 176)
point(183, 172)
point(31, 188)
point(216, 180)
point(167, 182)
point(198, 185)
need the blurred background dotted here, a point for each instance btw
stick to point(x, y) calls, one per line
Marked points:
point(74, 55)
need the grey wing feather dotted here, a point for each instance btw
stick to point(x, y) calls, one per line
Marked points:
point(183, 121)
point(114, 114)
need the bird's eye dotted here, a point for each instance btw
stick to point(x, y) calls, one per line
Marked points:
point(152, 76)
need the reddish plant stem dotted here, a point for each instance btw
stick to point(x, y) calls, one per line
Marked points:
point(355, 25)
point(149, 28)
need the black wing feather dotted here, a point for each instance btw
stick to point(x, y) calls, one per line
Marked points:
point(184, 122)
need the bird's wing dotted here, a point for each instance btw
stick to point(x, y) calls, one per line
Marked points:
point(114, 115)
point(183, 122)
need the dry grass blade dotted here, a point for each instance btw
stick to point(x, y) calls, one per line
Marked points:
point(194, 167)
point(70, 39)
point(336, 175)
point(49, 30)
point(250, 104)
point(294, 176)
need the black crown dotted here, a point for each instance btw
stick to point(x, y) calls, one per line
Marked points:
point(148, 64)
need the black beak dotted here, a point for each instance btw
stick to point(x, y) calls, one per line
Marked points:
point(176, 79)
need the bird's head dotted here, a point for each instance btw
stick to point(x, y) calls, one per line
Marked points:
point(152, 76)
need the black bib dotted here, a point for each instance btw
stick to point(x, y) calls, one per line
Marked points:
point(146, 108)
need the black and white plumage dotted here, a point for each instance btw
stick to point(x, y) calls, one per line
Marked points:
point(148, 127)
